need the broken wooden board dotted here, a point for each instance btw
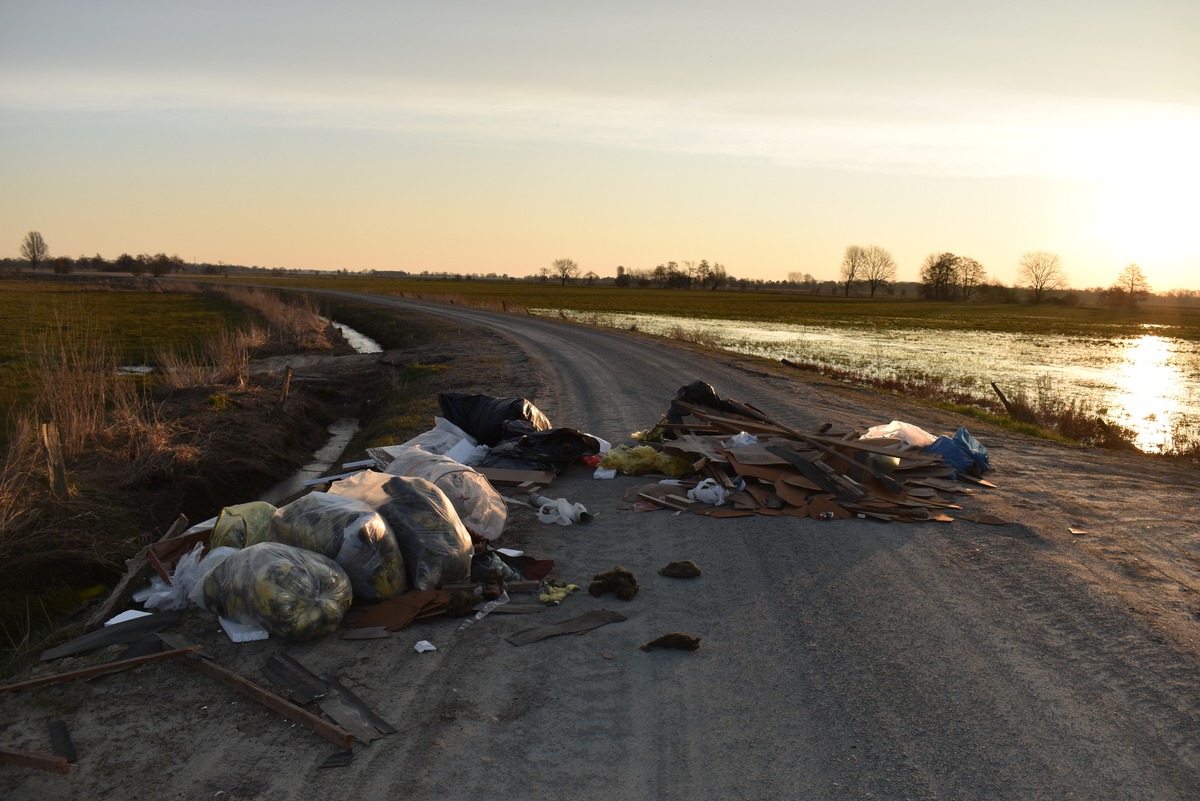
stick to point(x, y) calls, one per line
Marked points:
point(503, 475)
point(723, 512)
point(256, 692)
point(95, 670)
point(668, 501)
point(585, 622)
point(51, 763)
point(126, 631)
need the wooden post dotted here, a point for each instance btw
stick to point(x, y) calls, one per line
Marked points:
point(1007, 406)
point(54, 455)
point(287, 385)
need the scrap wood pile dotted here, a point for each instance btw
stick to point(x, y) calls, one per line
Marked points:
point(759, 465)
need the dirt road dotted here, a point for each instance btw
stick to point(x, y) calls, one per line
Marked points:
point(841, 659)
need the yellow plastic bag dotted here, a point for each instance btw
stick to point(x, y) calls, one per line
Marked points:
point(243, 524)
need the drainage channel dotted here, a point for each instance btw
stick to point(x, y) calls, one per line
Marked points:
point(340, 433)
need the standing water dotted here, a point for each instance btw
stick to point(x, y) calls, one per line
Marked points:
point(340, 433)
point(1149, 383)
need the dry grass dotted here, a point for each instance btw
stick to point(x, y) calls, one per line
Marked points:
point(45, 538)
point(1045, 411)
point(295, 322)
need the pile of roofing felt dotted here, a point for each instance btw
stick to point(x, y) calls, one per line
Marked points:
point(829, 473)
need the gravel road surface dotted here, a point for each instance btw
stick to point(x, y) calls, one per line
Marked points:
point(840, 659)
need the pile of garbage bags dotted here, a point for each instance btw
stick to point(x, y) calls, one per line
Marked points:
point(294, 570)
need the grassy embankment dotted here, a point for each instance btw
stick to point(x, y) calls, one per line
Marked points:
point(1040, 410)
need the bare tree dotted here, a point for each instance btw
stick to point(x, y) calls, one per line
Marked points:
point(34, 249)
point(1042, 272)
point(565, 269)
point(853, 264)
point(879, 268)
point(1133, 285)
point(939, 274)
point(590, 276)
point(1134, 281)
point(717, 273)
point(970, 275)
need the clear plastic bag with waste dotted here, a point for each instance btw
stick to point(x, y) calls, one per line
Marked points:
point(350, 532)
point(291, 592)
point(436, 545)
point(480, 508)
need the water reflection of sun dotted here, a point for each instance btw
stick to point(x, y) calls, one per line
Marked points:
point(1148, 385)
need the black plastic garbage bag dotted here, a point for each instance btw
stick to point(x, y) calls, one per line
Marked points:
point(697, 393)
point(483, 417)
point(554, 449)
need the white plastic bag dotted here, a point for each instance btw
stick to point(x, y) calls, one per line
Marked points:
point(906, 432)
point(188, 571)
point(440, 439)
point(561, 511)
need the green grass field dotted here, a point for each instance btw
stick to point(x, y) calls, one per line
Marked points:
point(35, 314)
point(877, 313)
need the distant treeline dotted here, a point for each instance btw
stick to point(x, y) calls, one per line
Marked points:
point(685, 275)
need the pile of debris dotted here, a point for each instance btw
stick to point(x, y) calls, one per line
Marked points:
point(742, 462)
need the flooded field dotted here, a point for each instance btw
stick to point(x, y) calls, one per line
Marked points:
point(1149, 383)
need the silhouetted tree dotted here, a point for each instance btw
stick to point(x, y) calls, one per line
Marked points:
point(853, 264)
point(969, 275)
point(878, 267)
point(127, 264)
point(939, 275)
point(565, 269)
point(1042, 272)
point(1133, 285)
point(34, 249)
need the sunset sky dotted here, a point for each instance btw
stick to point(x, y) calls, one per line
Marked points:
point(497, 137)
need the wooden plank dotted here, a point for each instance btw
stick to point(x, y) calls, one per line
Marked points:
point(125, 631)
point(500, 475)
point(51, 763)
point(665, 501)
point(807, 468)
point(867, 447)
point(107, 667)
point(256, 692)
